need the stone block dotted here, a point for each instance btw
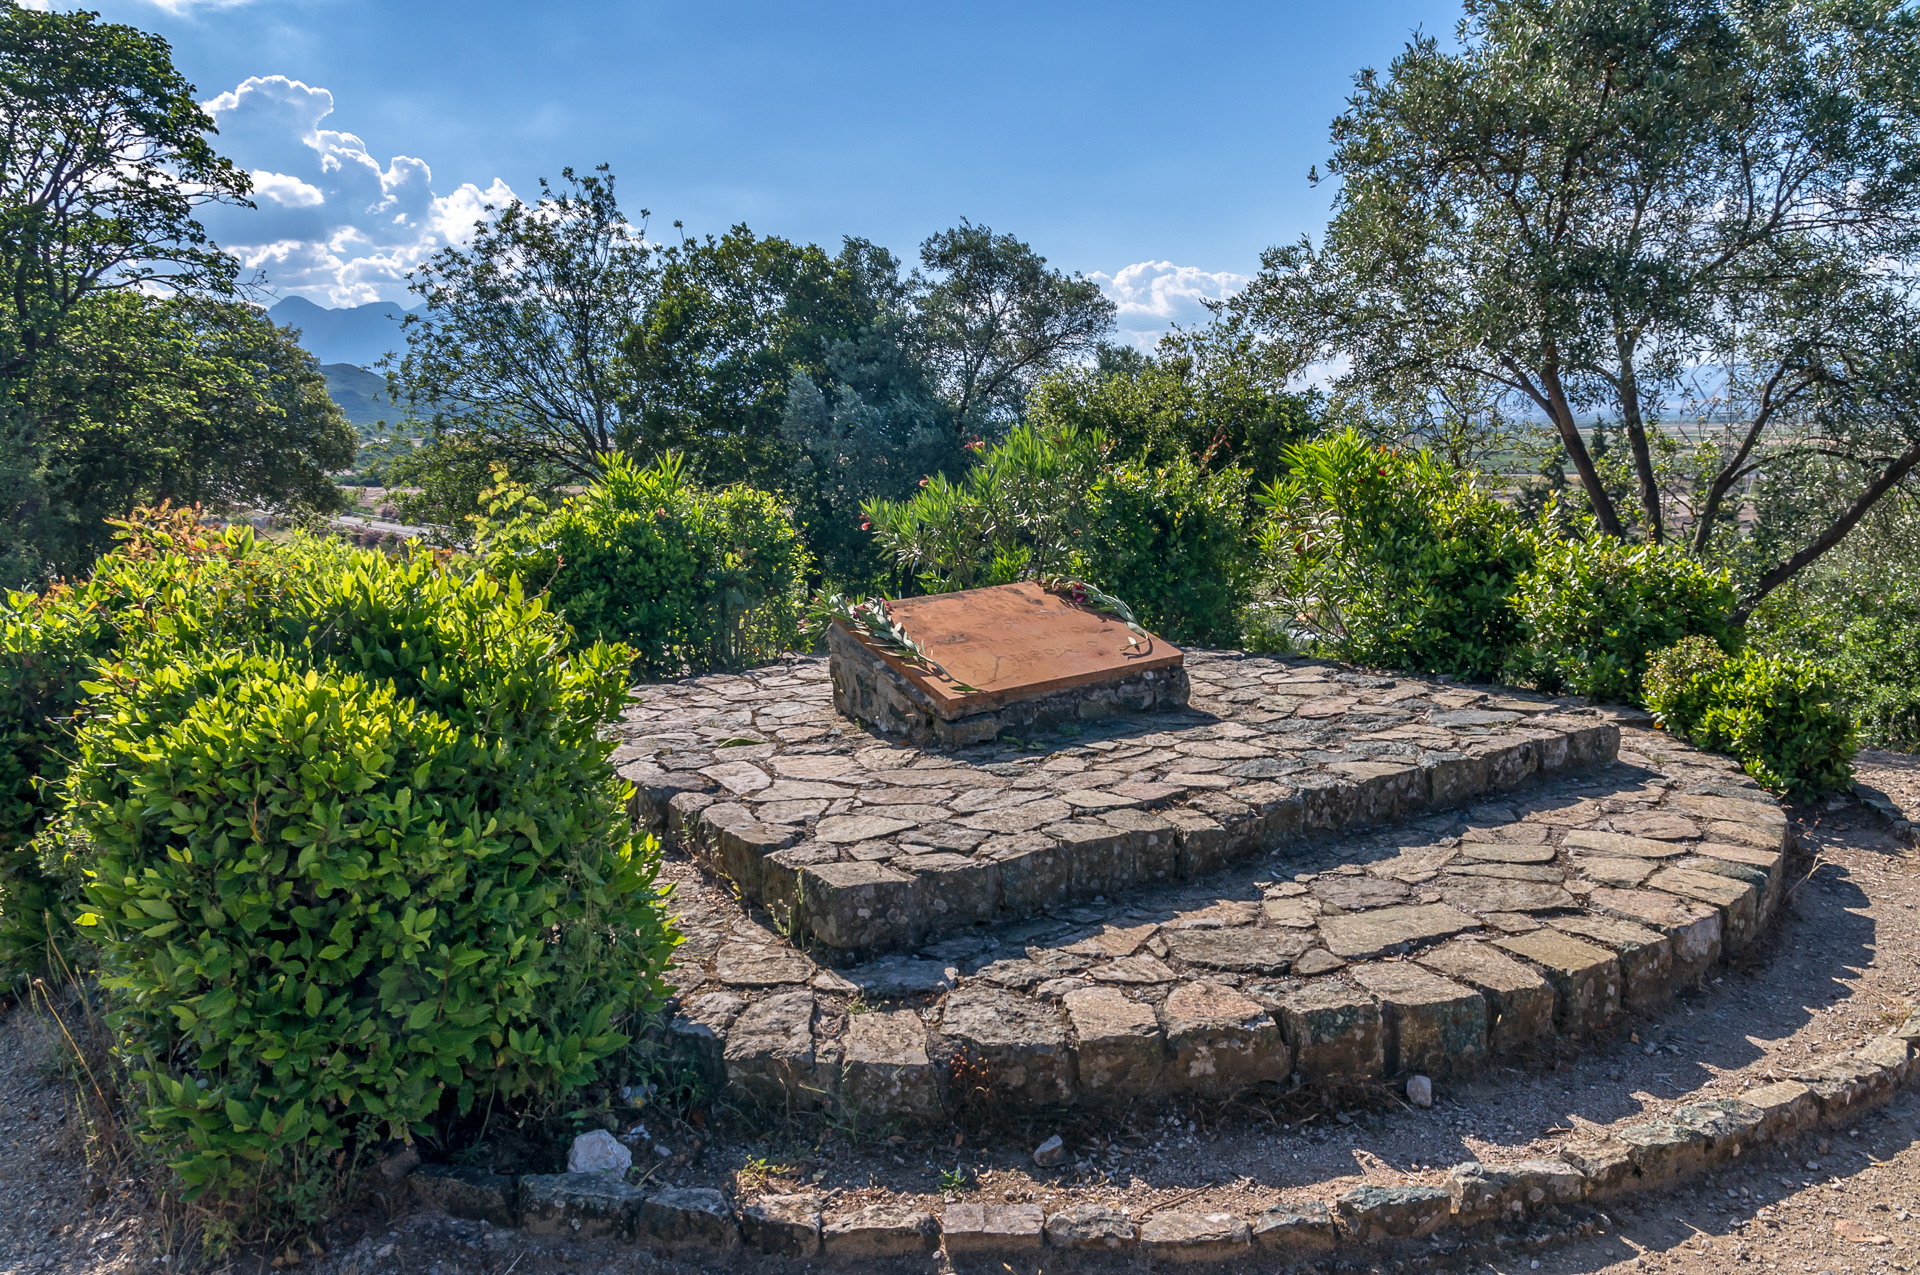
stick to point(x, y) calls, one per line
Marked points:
point(1219, 1042)
point(1605, 1161)
point(1364, 934)
point(1091, 1227)
point(1892, 1055)
point(1762, 812)
point(1509, 765)
point(688, 1217)
point(1433, 1025)
point(1453, 779)
point(1101, 859)
point(474, 1194)
point(1334, 1030)
point(1476, 1192)
point(1156, 852)
point(854, 906)
point(1695, 929)
point(1738, 901)
point(743, 850)
point(1033, 872)
point(1194, 1237)
point(952, 891)
point(1019, 1044)
point(780, 875)
point(769, 1053)
point(1538, 1183)
point(683, 813)
point(1201, 843)
point(1241, 949)
point(885, 1072)
point(1384, 791)
point(782, 1225)
point(599, 1203)
point(1519, 1002)
point(697, 1035)
point(992, 1230)
point(1786, 1108)
point(1621, 846)
point(1585, 978)
point(1646, 956)
point(1299, 1230)
point(1771, 863)
point(879, 1230)
point(1731, 1126)
point(1664, 1151)
point(1370, 1214)
point(1118, 1049)
point(1845, 1087)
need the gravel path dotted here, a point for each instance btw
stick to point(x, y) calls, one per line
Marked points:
point(1843, 963)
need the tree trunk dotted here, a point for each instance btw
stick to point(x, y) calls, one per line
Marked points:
point(1576, 447)
point(1629, 385)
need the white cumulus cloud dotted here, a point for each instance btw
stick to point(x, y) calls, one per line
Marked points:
point(285, 190)
point(1152, 296)
point(334, 224)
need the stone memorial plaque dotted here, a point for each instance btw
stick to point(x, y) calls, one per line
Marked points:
point(1018, 657)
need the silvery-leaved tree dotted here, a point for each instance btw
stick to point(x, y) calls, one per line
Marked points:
point(1584, 202)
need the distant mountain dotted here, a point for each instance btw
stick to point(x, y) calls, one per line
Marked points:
point(361, 394)
point(356, 336)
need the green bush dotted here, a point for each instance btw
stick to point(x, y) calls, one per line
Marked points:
point(354, 856)
point(1868, 640)
point(1169, 540)
point(1775, 713)
point(171, 577)
point(1596, 607)
point(688, 577)
point(1394, 559)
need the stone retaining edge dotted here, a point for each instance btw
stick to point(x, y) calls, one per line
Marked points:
point(674, 808)
point(1598, 1165)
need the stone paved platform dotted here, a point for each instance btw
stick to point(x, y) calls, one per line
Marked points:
point(1424, 944)
point(868, 846)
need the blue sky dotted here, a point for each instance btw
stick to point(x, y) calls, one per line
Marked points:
point(1156, 147)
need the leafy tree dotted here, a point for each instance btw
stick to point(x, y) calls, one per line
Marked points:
point(1204, 393)
point(517, 350)
point(139, 399)
point(1588, 198)
point(103, 161)
point(995, 320)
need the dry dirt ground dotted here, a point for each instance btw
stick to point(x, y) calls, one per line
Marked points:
point(1842, 965)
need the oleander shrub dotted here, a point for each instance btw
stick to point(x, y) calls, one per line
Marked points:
point(1596, 607)
point(687, 576)
point(1394, 559)
point(1774, 712)
point(1168, 539)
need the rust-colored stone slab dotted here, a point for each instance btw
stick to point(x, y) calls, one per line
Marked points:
point(1016, 641)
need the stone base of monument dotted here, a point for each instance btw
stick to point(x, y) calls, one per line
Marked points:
point(1013, 659)
point(867, 689)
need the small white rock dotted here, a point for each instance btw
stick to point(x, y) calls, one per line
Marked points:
point(1420, 1091)
point(1051, 1152)
point(598, 1152)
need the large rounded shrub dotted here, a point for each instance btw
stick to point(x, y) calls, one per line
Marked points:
point(688, 577)
point(1596, 607)
point(1773, 712)
point(1394, 559)
point(350, 849)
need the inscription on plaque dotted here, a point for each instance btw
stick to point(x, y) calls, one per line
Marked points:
point(1009, 645)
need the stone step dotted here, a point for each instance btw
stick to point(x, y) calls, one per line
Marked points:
point(1426, 946)
point(867, 846)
